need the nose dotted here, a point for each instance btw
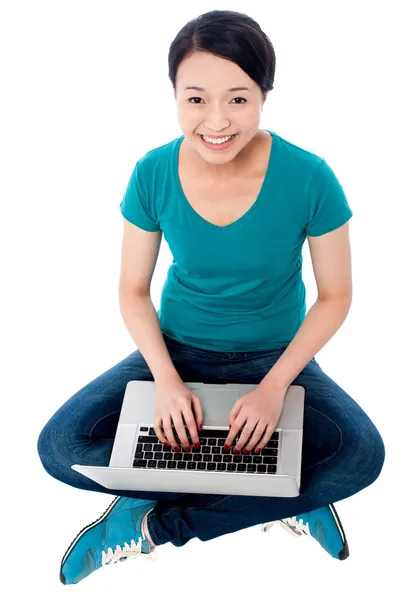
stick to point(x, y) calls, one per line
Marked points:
point(217, 130)
point(217, 123)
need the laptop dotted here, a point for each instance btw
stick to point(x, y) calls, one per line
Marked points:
point(139, 461)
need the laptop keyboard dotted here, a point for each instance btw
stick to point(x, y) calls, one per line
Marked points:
point(152, 454)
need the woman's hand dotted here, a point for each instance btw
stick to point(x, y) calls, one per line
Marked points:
point(175, 401)
point(258, 410)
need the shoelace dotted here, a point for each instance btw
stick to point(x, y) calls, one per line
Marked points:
point(298, 525)
point(291, 525)
point(128, 551)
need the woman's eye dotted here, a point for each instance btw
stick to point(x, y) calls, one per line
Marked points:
point(197, 98)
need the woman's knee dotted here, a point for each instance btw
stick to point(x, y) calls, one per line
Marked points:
point(45, 445)
point(52, 447)
point(377, 453)
point(366, 453)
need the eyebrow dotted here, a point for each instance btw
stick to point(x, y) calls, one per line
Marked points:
point(200, 89)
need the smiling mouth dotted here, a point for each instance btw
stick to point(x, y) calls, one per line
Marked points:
point(217, 138)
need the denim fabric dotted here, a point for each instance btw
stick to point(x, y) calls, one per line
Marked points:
point(343, 452)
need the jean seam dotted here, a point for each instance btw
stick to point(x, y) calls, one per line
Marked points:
point(340, 444)
point(101, 419)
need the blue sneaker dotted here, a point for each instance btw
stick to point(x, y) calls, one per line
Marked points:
point(323, 524)
point(117, 535)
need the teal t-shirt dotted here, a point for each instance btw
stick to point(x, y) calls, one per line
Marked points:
point(236, 288)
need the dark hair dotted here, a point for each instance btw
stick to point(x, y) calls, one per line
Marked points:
point(231, 35)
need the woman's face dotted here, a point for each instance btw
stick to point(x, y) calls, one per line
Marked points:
point(216, 111)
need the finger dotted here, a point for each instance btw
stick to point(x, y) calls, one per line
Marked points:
point(235, 429)
point(235, 410)
point(197, 409)
point(180, 427)
point(257, 434)
point(268, 434)
point(159, 433)
point(167, 427)
point(231, 435)
point(246, 432)
point(191, 426)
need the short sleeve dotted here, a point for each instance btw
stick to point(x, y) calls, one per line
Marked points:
point(134, 206)
point(328, 205)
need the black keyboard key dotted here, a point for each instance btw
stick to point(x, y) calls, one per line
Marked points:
point(152, 464)
point(215, 433)
point(251, 468)
point(149, 439)
point(207, 458)
point(261, 468)
point(181, 464)
point(139, 463)
point(188, 457)
point(212, 441)
point(231, 467)
point(191, 465)
point(201, 466)
point(229, 459)
point(168, 455)
point(158, 455)
point(268, 452)
point(172, 464)
point(197, 457)
point(269, 460)
point(206, 449)
point(272, 469)
point(241, 467)
point(221, 467)
point(211, 466)
point(161, 464)
point(139, 454)
point(272, 444)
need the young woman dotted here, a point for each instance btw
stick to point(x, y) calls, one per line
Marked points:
point(235, 204)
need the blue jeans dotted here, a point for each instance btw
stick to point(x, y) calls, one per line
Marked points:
point(343, 452)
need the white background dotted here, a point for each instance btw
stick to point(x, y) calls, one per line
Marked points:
point(85, 93)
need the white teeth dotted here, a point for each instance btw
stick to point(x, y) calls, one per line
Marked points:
point(217, 141)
